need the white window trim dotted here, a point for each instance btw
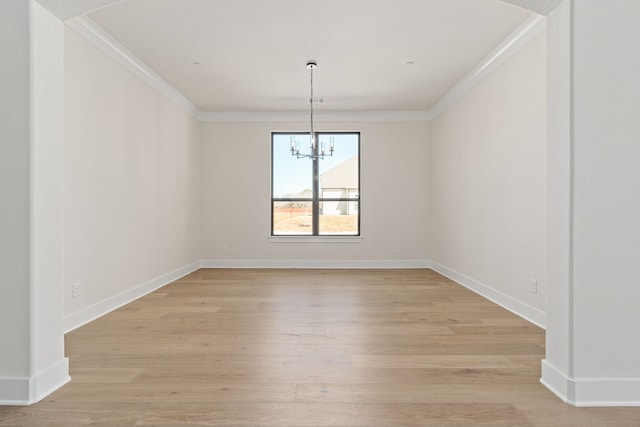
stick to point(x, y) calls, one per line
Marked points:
point(315, 239)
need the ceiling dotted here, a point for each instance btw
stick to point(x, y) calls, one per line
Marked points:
point(250, 55)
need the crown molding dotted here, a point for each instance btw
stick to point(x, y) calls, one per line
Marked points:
point(320, 116)
point(93, 33)
point(66, 9)
point(541, 7)
point(530, 28)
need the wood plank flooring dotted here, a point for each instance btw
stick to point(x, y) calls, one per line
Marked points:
point(309, 348)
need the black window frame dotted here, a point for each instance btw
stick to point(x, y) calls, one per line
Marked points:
point(316, 200)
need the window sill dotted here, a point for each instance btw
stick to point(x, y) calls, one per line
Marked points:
point(315, 239)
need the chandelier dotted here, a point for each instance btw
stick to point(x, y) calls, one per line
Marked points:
point(317, 149)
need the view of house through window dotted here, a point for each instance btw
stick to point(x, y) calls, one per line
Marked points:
point(315, 197)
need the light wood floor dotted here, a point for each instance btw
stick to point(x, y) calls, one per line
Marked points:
point(309, 348)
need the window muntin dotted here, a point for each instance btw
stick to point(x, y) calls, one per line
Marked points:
point(319, 197)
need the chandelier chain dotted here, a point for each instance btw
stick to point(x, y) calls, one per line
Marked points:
point(311, 100)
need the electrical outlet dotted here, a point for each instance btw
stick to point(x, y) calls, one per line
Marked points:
point(534, 286)
point(397, 250)
point(226, 249)
point(75, 290)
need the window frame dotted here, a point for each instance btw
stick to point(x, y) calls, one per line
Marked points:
point(316, 200)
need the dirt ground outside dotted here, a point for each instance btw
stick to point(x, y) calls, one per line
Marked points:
point(289, 223)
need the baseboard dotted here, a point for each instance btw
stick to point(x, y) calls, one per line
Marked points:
point(26, 391)
point(309, 264)
point(103, 307)
point(525, 311)
point(590, 392)
point(553, 379)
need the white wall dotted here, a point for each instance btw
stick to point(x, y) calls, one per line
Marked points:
point(593, 344)
point(15, 133)
point(131, 182)
point(236, 164)
point(559, 168)
point(488, 187)
point(32, 362)
point(607, 189)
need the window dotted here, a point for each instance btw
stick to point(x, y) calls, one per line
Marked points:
point(315, 197)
